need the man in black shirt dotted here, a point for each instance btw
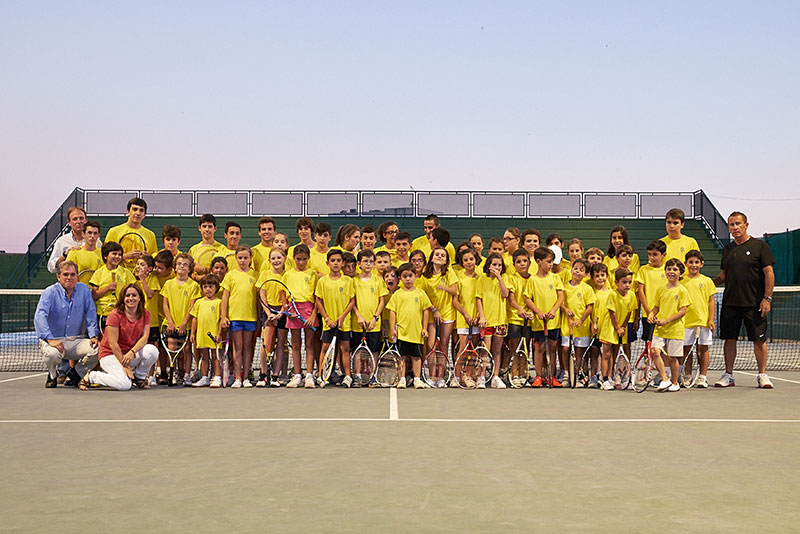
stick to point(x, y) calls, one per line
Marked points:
point(749, 280)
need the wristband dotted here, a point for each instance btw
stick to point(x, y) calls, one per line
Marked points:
point(768, 299)
point(375, 317)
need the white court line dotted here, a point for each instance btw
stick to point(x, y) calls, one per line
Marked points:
point(394, 414)
point(22, 377)
point(771, 377)
point(382, 419)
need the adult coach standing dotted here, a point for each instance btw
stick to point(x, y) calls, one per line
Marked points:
point(66, 325)
point(749, 280)
point(133, 249)
point(70, 241)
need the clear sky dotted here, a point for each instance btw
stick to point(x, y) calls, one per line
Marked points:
point(588, 96)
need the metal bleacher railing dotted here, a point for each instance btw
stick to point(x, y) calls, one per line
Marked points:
point(467, 204)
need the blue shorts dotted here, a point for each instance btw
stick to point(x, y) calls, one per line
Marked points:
point(245, 326)
point(631, 333)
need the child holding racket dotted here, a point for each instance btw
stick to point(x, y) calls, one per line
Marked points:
point(274, 323)
point(88, 258)
point(392, 282)
point(622, 305)
point(238, 314)
point(699, 315)
point(491, 295)
point(650, 279)
point(625, 254)
point(517, 314)
point(465, 301)
point(667, 315)
point(576, 309)
point(134, 238)
point(409, 309)
point(206, 319)
point(440, 284)
point(370, 293)
point(601, 321)
point(335, 300)
point(302, 283)
point(203, 252)
point(544, 297)
point(107, 281)
point(178, 296)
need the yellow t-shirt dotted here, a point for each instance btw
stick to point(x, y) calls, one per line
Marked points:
point(203, 254)
point(577, 299)
point(467, 290)
point(441, 299)
point(543, 291)
point(669, 301)
point(494, 305)
point(422, 243)
point(336, 296)
point(519, 287)
point(508, 259)
point(230, 259)
point(392, 252)
point(207, 314)
point(301, 283)
point(86, 260)
point(241, 287)
point(408, 307)
point(273, 291)
point(260, 255)
point(318, 262)
point(101, 278)
point(613, 265)
point(701, 289)
point(621, 306)
point(368, 293)
point(129, 243)
point(152, 304)
point(605, 330)
point(677, 248)
point(653, 278)
point(180, 296)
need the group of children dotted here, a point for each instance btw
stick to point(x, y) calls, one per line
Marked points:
point(305, 297)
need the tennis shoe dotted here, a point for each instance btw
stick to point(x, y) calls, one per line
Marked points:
point(246, 383)
point(763, 381)
point(515, 382)
point(231, 380)
point(440, 384)
point(153, 382)
point(726, 380)
point(555, 383)
point(203, 382)
point(274, 382)
point(187, 380)
point(420, 384)
point(469, 383)
point(673, 388)
point(607, 385)
point(262, 381)
point(594, 382)
point(347, 382)
point(498, 383)
point(537, 382)
point(236, 384)
point(565, 377)
point(216, 382)
point(321, 383)
point(481, 382)
point(686, 381)
point(401, 384)
point(702, 382)
point(663, 385)
point(295, 381)
point(309, 382)
point(454, 382)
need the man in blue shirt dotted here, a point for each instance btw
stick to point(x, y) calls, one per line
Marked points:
point(66, 325)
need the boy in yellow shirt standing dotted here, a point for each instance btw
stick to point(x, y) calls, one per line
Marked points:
point(206, 319)
point(178, 296)
point(88, 258)
point(335, 298)
point(699, 317)
point(671, 303)
point(409, 309)
point(547, 292)
point(622, 305)
point(650, 278)
point(677, 243)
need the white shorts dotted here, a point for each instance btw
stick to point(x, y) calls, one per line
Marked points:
point(690, 333)
point(580, 342)
point(465, 331)
point(669, 347)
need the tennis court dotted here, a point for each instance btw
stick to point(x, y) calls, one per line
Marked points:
point(381, 459)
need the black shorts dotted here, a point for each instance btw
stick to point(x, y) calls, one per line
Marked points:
point(732, 317)
point(373, 341)
point(631, 333)
point(280, 324)
point(552, 335)
point(518, 330)
point(406, 348)
point(647, 330)
point(154, 336)
point(327, 335)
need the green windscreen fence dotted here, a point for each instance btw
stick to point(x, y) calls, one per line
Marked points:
point(786, 250)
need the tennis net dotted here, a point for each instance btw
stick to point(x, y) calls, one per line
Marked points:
point(19, 348)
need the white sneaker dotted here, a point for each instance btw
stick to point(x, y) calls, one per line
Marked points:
point(275, 383)
point(726, 380)
point(419, 384)
point(401, 384)
point(469, 383)
point(152, 381)
point(216, 382)
point(236, 383)
point(481, 382)
point(607, 385)
point(187, 380)
point(247, 383)
point(439, 384)
point(663, 385)
point(673, 388)
point(347, 382)
point(454, 382)
point(295, 381)
point(565, 378)
point(685, 381)
point(203, 382)
point(763, 381)
point(309, 382)
point(516, 382)
point(702, 382)
point(498, 383)
point(261, 382)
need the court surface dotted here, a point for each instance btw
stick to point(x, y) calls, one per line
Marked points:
point(336, 460)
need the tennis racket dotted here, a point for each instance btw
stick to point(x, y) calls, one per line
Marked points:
point(571, 361)
point(622, 368)
point(85, 275)
point(692, 358)
point(222, 358)
point(486, 361)
point(290, 304)
point(387, 370)
point(434, 367)
point(546, 371)
point(641, 370)
point(520, 361)
point(172, 353)
point(469, 366)
point(363, 361)
point(203, 254)
point(132, 241)
point(328, 362)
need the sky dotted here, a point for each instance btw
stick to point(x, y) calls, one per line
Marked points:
point(379, 95)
